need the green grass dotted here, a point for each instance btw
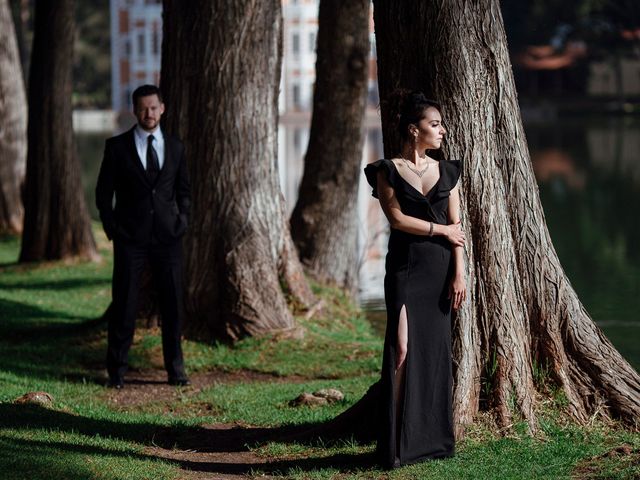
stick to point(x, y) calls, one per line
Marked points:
point(52, 338)
point(27, 453)
point(340, 343)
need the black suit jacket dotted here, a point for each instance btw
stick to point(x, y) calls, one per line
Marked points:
point(143, 210)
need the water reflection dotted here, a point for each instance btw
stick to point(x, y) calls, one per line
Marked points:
point(588, 172)
point(589, 178)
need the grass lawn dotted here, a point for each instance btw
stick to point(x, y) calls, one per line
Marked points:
point(233, 422)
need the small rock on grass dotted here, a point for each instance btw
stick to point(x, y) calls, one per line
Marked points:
point(35, 398)
point(331, 394)
point(321, 397)
point(307, 399)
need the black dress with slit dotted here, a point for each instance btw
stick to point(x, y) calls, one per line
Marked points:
point(418, 272)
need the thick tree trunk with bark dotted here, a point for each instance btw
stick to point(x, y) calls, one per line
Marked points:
point(324, 220)
point(521, 309)
point(220, 75)
point(57, 223)
point(13, 133)
point(22, 18)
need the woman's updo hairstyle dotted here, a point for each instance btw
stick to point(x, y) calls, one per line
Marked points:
point(408, 107)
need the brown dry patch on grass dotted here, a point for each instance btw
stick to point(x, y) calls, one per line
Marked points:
point(223, 451)
point(604, 465)
point(149, 386)
point(218, 451)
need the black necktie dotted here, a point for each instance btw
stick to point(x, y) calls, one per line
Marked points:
point(153, 166)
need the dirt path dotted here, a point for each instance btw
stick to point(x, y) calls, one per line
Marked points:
point(222, 451)
point(225, 456)
point(622, 457)
point(218, 451)
point(150, 385)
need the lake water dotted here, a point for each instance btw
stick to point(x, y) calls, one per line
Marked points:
point(588, 171)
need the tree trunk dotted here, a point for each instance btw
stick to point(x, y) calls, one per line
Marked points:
point(523, 310)
point(57, 223)
point(21, 17)
point(324, 220)
point(13, 133)
point(220, 75)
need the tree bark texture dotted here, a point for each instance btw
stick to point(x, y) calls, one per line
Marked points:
point(324, 220)
point(57, 223)
point(13, 132)
point(523, 312)
point(220, 75)
point(22, 18)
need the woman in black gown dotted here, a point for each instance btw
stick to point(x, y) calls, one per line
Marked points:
point(424, 280)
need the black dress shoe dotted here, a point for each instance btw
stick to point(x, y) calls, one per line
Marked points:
point(179, 381)
point(116, 383)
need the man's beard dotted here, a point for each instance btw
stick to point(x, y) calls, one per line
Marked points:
point(150, 123)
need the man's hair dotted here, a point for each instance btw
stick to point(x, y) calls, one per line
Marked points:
point(145, 91)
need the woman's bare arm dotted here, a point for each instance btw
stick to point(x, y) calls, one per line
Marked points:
point(407, 223)
point(457, 289)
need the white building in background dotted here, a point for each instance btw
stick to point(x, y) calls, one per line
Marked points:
point(299, 60)
point(296, 93)
point(136, 45)
point(136, 39)
point(298, 77)
point(296, 103)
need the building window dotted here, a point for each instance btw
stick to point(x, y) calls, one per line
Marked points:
point(312, 42)
point(297, 140)
point(372, 94)
point(141, 44)
point(295, 43)
point(155, 41)
point(296, 96)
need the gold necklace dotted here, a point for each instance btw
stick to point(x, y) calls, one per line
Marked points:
point(419, 173)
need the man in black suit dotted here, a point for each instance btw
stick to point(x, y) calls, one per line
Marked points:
point(146, 171)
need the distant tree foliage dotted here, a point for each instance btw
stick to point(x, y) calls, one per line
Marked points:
point(92, 55)
point(91, 50)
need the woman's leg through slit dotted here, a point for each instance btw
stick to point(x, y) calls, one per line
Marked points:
point(399, 374)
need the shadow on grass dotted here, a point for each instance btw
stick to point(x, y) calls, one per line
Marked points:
point(29, 321)
point(51, 445)
point(42, 343)
point(68, 447)
point(345, 463)
point(240, 439)
point(66, 284)
point(226, 441)
point(202, 439)
point(23, 459)
point(33, 417)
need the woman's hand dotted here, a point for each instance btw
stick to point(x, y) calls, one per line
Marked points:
point(454, 234)
point(457, 291)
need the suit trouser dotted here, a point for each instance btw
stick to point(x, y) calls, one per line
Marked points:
point(129, 262)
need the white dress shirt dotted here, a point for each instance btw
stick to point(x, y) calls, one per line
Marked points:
point(140, 135)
